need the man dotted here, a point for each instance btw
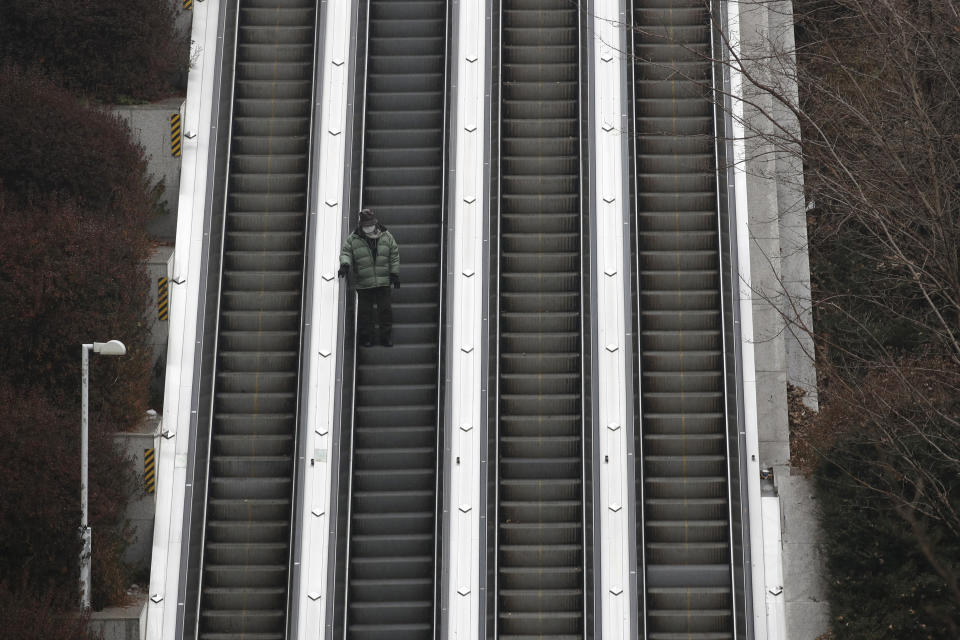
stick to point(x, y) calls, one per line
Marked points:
point(372, 253)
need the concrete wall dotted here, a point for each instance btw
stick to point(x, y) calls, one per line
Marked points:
point(150, 128)
point(157, 266)
point(140, 510)
point(782, 318)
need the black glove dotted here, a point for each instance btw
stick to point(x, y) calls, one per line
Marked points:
point(344, 270)
point(395, 280)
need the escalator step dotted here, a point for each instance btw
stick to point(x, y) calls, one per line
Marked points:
point(540, 557)
point(684, 463)
point(391, 580)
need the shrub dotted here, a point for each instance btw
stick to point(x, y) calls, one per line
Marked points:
point(51, 143)
point(28, 615)
point(40, 502)
point(889, 487)
point(73, 210)
point(115, 51)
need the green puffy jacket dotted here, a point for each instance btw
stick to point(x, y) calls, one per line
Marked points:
point(367, 271)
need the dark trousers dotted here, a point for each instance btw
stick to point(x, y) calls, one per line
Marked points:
point(366, 298)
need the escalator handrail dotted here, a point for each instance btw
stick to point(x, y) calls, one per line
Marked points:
point(216, 331)
point(638, 436)
point(586, 420)
point(353, 373)
point(720, 94)
point(495, 276)
point(441, 342)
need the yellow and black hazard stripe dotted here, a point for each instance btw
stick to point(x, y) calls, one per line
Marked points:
point(163, 299)
point(188, 4)
point(149, 470)
point(176, 137)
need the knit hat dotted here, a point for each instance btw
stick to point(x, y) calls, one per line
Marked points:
point(367, 218)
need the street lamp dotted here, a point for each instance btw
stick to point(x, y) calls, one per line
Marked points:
point(112, 348)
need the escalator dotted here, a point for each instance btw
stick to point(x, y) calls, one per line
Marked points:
point(393, 511)
point(248, 526)
point(540, 551)
point(686, 524)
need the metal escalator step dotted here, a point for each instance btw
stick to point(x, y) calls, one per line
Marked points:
point(684, 402)
point(540, 468)
point(683, 462)
point(686, 621)
point(542, 510)
point(260, 300)
point(283, 53)
point(259, 34)
point(366, 568)
point(545, 446)
point(690, 466)
point(684, 445)
point(249, 530)
point(242, 621)
point(229, 488)
point(401, 176)
point(540, 502)
point(273, 635)
point(250, 466)
point(680, 509)
point(666, 598)
point(393, 501)
point(395, 409)
point(692, 486)
point(677, 576)
point(250, 360)
point(539, 18)
point(268, 202)
point(277, 16)
point(264, 222)
point(542, 424)
point(388, 589)
point(248, 510)
point(270, 575)
point(680, 299)
point(251, 553)
point(543, 577)
point(396, 523)
point(688, 552)
point(392, 480)
point(395, 613)
point(247, 598)
point(387, 630)
point(542, 534)
point(275, 70)
point(253, 444)
point(262, 260)
point(413, 544)
point(674, 381)
point(366, 437)
point(672, 531)
point(689, 635)
point(524, 622)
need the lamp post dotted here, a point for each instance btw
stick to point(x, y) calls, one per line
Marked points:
point(111, 348)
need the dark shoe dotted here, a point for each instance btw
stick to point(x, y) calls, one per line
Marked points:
point(386, 342)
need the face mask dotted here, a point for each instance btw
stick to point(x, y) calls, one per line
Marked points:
point(370, 229)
